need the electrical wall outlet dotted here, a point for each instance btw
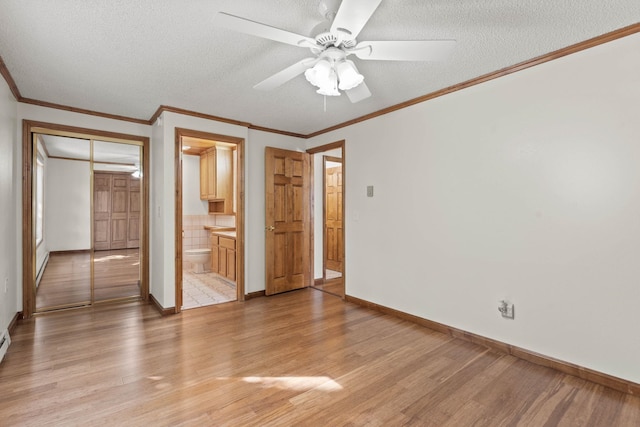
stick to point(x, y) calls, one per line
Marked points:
point(506, 309)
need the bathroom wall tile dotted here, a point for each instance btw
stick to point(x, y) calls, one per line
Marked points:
point(225, 220)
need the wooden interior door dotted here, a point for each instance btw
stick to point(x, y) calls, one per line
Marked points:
point(333, 231)
point(288, 220)
point(117, 206)
point(101, 211)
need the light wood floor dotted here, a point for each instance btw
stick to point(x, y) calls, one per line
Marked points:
point(66, 280)
point(303, 358)
point(334, 287)
point(332, 283)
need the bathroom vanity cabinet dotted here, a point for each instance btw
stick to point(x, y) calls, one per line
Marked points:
point(216, 179)
point(223, 254)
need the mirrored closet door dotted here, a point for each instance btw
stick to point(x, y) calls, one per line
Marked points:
point(88, 220)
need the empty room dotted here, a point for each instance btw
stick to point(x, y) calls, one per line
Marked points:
point(320, 212)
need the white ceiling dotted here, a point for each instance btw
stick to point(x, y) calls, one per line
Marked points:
point(129, 57)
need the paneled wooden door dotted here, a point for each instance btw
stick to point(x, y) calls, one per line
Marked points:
point(333, 232)
point(288, 220)
point(116, 211)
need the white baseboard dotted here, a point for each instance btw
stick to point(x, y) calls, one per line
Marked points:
point(5, 341)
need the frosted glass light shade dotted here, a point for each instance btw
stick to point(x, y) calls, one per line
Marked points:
point(330, 88)
point(348, 75)
point(319, 74)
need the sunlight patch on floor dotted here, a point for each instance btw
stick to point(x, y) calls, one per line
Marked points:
point(108, 257)
point(295, 383)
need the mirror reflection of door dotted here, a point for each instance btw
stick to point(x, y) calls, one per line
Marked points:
point(81, 257)
point(328, 235)
point(333, 233)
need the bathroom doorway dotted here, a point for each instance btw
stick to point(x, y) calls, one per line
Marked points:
point(209, 219)
point(328, 218)
point(85, 205)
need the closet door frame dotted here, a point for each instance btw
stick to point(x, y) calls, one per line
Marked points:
point(29, 128)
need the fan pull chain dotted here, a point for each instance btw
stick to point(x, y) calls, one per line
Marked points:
point(325, 103)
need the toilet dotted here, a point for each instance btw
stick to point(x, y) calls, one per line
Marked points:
point(198, 257)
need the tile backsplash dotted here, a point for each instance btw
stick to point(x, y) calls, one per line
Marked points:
point(195, 236)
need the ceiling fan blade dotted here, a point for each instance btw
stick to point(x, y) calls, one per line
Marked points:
point(413, 50)
point(353, 15)
point(281, 77)
point(253, 28)
point(358, 93)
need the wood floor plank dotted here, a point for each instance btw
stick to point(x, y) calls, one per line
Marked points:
point(300, 358)
point(66, 280)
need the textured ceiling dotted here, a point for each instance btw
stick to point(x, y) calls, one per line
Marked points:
point(128, 57)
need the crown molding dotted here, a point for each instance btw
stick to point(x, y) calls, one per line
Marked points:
point(587, 44)
point(184, 112)
point(596, 41)
point(10, 82)
point(161, 109)
point(81, 110)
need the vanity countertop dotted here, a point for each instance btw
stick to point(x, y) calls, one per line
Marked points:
point(230, 234)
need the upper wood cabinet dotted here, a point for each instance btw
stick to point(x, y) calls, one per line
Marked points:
point(203, 177)
point(211, 174)
point(216, 179)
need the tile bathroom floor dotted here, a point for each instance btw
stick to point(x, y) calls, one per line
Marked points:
point(199, 290)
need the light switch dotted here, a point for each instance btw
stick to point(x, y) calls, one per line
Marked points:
point(370, 191)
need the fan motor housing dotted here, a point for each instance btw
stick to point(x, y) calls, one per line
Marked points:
point(330, 39)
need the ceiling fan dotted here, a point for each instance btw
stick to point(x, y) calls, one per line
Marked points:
point(333, 41)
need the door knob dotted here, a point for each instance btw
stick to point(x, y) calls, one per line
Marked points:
point(270, 228)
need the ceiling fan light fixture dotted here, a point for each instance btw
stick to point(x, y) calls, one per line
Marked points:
point(348, 75)
point(319, 74)
point(330, 87)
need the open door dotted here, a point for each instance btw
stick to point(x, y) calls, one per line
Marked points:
point(288, 220)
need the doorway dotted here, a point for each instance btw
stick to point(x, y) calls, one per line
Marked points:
point(85, 214)
point(209, 219)
point(328, 264)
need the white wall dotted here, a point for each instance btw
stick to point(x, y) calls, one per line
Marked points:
point(526, 188)
point(191, 203)
point(156, 224)
point(318, 226)
point(8, 231)
point(67, 210)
